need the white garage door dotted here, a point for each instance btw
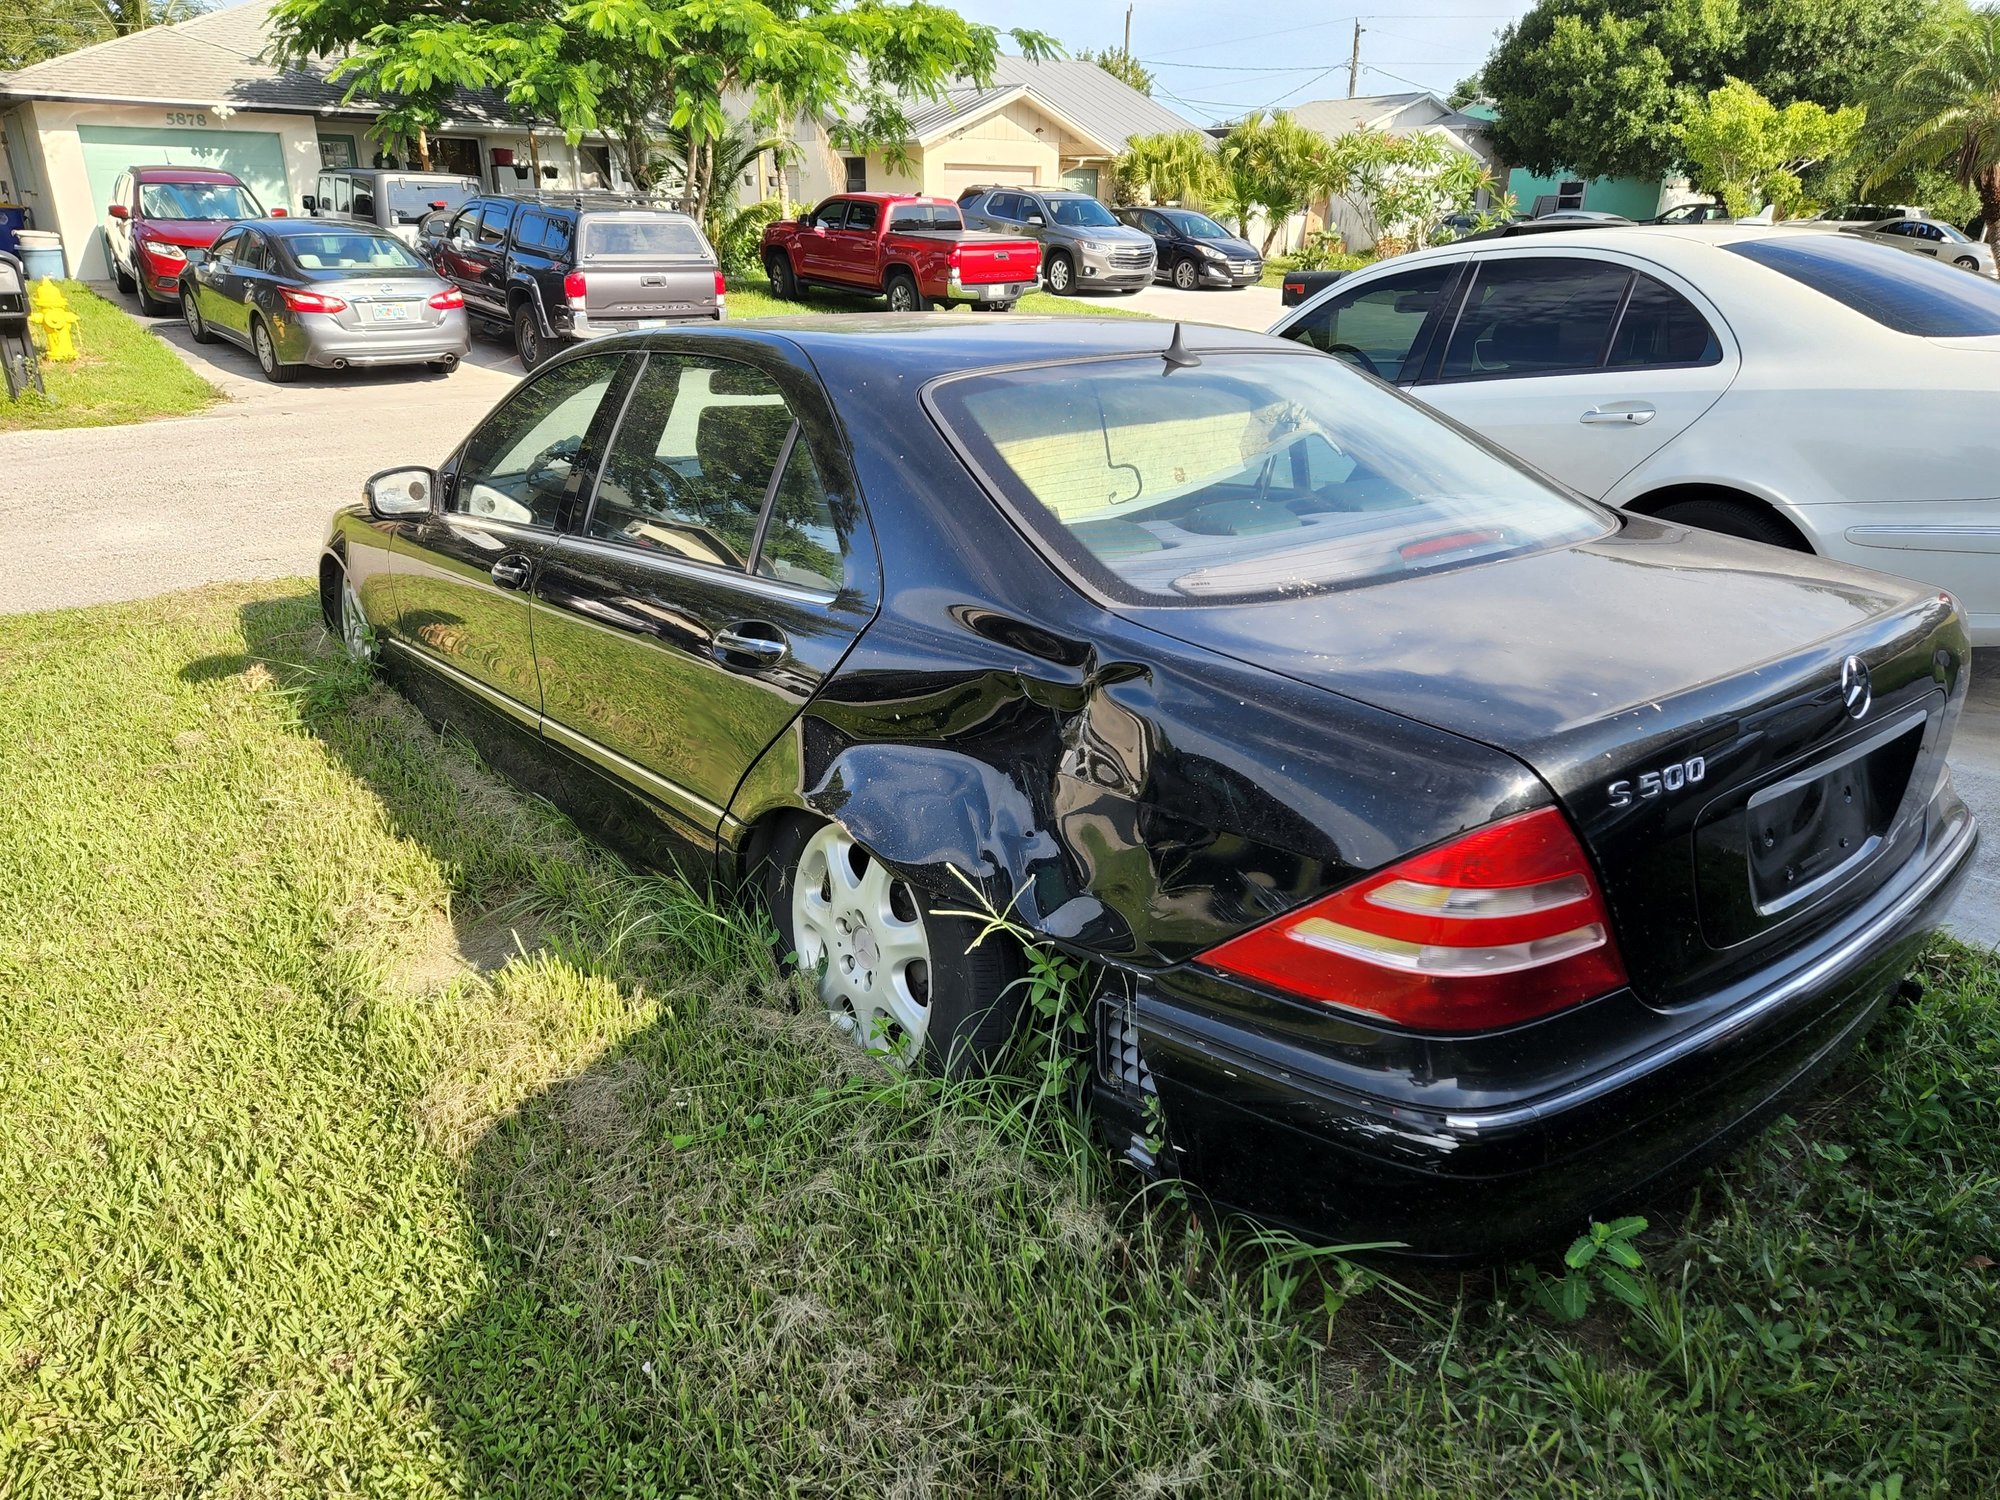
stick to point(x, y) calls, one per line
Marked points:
point(958, 177)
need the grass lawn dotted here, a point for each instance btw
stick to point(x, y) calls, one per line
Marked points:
point(750, 297)
point(124, 374)
point(367, 1132)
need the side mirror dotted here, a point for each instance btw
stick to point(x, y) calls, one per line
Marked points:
point(398, 494)
point(309, 203)
point(1037, 220)
point(120, 211)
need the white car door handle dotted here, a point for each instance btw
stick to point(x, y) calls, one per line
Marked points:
point(1619, 414)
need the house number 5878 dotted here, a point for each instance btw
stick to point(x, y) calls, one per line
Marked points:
point(183, 117)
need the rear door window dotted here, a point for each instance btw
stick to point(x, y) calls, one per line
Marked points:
point(493, 220)
point(1535, 315)
point(863, 216)
point(1375, 327)
point(1660, 327)
point(1895, 289)
point(528, 233)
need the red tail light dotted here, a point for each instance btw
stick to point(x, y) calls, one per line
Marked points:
point(448, 299)
point(1499, 926)
point(316, 302)
point(574, 288)
point(721, 288)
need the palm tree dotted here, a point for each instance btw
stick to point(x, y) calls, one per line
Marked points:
point(1274, 165)
point(1942, 107)
point(1178, 166)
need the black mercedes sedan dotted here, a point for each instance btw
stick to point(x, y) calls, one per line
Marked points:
point(1452, 857)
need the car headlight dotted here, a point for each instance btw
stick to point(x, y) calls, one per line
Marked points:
point(1096, 247)
point(1215, 255)
point(161, 250)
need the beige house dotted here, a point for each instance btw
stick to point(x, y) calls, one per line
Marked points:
point(1045, 123)
point(201, 94)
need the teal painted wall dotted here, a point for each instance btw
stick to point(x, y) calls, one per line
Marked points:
point(1634, 197)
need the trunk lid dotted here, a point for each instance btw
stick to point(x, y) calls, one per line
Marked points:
point(1682, 695)
point(640, 268)
point(388, 299)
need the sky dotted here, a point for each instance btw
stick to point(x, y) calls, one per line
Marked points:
point(1217, 59)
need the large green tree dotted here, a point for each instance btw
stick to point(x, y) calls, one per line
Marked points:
point(1939, 106)
point(1748, 152)
point(1600, 86)
point(637, 69)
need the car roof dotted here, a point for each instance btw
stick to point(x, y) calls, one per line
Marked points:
point(433, 175)
point(167, 173)
point(288, 226)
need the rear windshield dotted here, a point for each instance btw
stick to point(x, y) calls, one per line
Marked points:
point(410, 198)
point(343, 252)
point(1245, 476)
point(1898, 290)
point(198, 200)
point(925, 216)
point(641, 238)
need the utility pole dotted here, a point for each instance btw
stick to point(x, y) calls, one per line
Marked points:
point(1128, 31)
point(1354, 62)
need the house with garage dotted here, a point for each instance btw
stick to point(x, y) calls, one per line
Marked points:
point(201, 93)
point(1036, 123)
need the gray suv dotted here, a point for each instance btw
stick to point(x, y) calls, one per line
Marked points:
point(1082, 244)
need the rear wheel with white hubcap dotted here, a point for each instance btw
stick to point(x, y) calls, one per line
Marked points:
point(895, 974)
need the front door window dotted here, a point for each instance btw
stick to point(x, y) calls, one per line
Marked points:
point(523, 462)
point(1375, 326)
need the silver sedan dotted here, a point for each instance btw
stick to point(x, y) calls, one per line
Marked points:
point(296, 293)
point(1928, 237)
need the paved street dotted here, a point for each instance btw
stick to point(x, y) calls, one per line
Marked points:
point(244, 492)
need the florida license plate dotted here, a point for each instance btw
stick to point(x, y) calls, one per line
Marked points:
point(390, 312)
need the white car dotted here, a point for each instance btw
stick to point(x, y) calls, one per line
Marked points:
point(1929, 238)
point(1815, 391)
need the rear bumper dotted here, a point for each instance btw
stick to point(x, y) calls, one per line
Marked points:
point(315, 339)
point(998, 291)
point(1270, 1128)
point(580, 326)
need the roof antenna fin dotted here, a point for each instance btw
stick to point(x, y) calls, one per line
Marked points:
point(1176, 354)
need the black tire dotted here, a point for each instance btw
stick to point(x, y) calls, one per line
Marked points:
point(197, 325)
point(1733, 518)
point(351, 628)
point(266, 349)
point(1060, 274)
point(1187, 275)
point(23, 368)
point(148, 306)
point(1130, 291)
point(441, 366)
point(975, 997)
point(784, 285)
point(127, 282)
point(528, 341)
point(903, 293)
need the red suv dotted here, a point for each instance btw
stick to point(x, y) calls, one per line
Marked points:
point(158, 216)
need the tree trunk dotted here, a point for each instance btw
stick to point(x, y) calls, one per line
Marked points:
point(423, 149)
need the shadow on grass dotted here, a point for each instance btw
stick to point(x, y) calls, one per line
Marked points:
point(723, 1254)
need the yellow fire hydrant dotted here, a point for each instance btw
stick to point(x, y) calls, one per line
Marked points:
point(54, 322)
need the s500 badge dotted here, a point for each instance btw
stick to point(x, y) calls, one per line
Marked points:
point(1667, 779)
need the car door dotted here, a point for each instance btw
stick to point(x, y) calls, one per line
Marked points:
point(465, 573)
point(117, 231)
point(250, 282)
point(214, 279)
point(1584, 364)
point(850, 249)
point(721, 572)
point(825, 221)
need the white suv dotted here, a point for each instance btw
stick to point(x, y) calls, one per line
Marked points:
point(1810, 390)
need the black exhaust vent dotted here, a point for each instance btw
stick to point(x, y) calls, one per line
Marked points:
point(1119, 1062)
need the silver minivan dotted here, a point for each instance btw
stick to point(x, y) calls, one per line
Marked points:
point(386, 197)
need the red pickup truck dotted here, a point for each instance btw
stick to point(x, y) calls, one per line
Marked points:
point(915, 251)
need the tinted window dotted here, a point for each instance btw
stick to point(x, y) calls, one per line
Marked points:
point(919, 216)
point(1197, 226)
point(250, 252)
point(1080, 213)
point(226, 247)
point(863, 216)
point(831, 214)
point(528, 231)
point(364, 202)
point(465, 228)
point(1379, 322)
point(1535, 316)
point(493, 219)
point(639, 238)
point(1245, 476)
point(1005, 206)
point(411, 198)
point(1898, 290)
point(693, 460)
point(801, 539)
point(1661, 327)
point(343, 194)
point(518, 464)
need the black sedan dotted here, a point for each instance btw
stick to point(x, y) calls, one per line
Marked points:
point(1453, 857)
point(1192, 250)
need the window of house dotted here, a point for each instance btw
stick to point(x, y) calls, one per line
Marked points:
point(857, 173)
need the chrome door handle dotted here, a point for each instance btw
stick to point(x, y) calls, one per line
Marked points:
point(764, 650)
point(1619, 414)
point(511, 572)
